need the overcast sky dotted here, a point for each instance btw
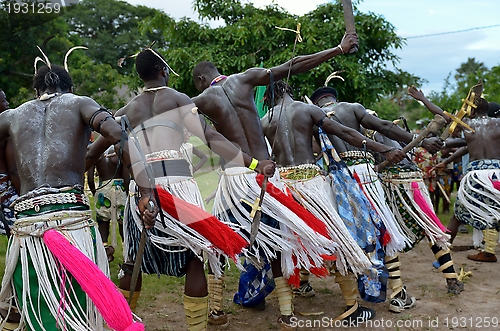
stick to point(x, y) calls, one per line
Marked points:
point(431, 58)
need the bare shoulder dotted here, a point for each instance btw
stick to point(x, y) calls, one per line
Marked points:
point(251, 72)
point(307, 111)
point(181, 98)
point(249, 77)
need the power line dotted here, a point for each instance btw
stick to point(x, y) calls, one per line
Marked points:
point(450, 32)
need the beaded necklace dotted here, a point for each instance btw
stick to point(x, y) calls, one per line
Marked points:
point(217, 79)
point(329, 104)
point(154, 89)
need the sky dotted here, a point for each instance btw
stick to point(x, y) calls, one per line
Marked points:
point(432, 58)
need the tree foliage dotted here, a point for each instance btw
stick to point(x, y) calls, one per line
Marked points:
point(250, 37)
point(113, 29)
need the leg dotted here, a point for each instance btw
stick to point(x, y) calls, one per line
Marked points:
point(453, 227)
point(354, 312)
point(490, 243)
point(400, 299)
point(216, 315)
point(125, 280)
point(284, 292)
point(104, 231)
point(196, 296)
point(305, 290)
point(446, 267)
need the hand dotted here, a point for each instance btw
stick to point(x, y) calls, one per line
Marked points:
point(432, 145)
point(395, 155)
point(416, 93)
point(148, 217)
point(348, 41)
point(266, 167)
point(437, 167)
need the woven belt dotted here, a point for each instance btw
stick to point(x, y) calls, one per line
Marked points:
point(300, 172)
point(164, 155)
point(416, 175)
point(357, 155)
point(51, 199)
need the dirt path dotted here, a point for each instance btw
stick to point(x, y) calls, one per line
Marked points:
point(477, 308)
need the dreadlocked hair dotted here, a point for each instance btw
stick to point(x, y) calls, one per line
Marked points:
point(203, 68)
point(148, 64)
point(50, 78)
point(482, 106)
point(280, 89)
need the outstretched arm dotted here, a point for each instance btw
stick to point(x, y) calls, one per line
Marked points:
point(299, 64)
point(419, 95)
point(353, 137)
point(455, 156)
point(392, 131)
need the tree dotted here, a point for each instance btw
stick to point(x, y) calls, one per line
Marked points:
point(250, 36)
point(110, 29)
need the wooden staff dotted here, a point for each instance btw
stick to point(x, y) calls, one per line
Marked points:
point(434, 126)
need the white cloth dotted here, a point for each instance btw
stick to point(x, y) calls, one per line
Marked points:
point(27, 243)
point(293, 237)
point(316, 196)
point(400, 235)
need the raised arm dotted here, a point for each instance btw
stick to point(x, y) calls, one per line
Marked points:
point(392, 131)
point(299, 64)
point(419, 95)
point(353, 137)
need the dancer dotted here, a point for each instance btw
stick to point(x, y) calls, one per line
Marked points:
point(361, 165)
point(295, 159)
point(228, 101)
point(478, 198)
point(175, 247)
point(52, 204)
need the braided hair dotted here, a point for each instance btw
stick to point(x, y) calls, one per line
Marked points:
point(280, 89)
point(51, 78)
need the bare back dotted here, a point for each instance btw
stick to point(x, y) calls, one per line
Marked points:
point(345, 114)
point(483, 143)
point(291, 133)
point(163, 114)
point(231, 106)
point(51, 139)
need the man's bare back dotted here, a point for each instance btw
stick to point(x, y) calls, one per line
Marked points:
point(483, 143)
point(291, 130)
point(51, 139)
point(234, 114)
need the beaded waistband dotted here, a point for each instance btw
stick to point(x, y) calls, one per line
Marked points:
point(164, 155)
point(35, 203)
point(404, 175)
point(303, 171)
point(357, 155)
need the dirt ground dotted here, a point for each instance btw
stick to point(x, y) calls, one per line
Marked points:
point(476, 308)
